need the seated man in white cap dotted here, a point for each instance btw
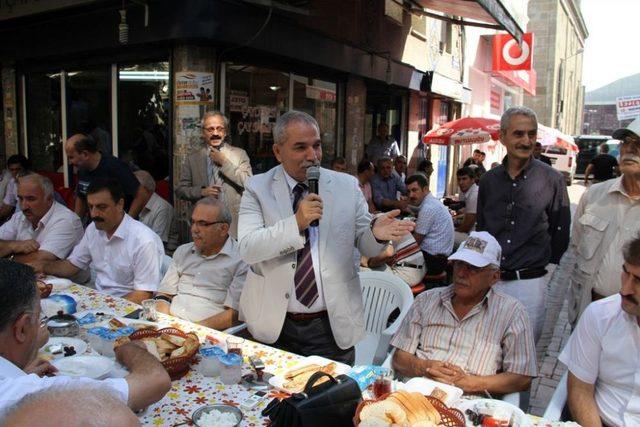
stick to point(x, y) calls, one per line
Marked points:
point(468, 334)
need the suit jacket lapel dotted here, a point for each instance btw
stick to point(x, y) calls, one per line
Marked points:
point(327, 207)
point(282, 193)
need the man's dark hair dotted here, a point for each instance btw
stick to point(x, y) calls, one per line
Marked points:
point(538, 144)
point(424, 165)
point(604, 148)
point(338, 161)
point(420, 179)
point(466, 171)
point(631, 251)
point(86, 143)
point(483, 153)
point(19, 158)
point(477, 151)
point(364, 165)
point(17, 291)
point(383, 160)
point(109, 184)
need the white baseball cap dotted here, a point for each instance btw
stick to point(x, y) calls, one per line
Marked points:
point(480, 249)
point(632, 129)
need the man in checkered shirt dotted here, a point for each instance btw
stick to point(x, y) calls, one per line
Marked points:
point(468, 334)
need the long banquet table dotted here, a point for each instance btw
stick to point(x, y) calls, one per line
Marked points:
point(194, 390)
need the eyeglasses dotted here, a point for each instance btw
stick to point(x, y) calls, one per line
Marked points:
point(471, 268)
point(215, 128)
point(202, 224)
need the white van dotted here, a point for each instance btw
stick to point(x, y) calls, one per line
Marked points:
point(562, 160)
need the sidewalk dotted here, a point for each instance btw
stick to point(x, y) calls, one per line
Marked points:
point(555, 334)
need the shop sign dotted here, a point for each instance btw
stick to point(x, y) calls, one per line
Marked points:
point(193, 88)
point(628, 107)
point(509, 56)
point(526, 79)
point(495, 100)
point(445, 86)
point(320, 94)
point(238, 101)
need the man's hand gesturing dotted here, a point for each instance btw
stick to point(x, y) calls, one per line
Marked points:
point(309, 209)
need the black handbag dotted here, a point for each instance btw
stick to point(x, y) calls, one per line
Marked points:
point(332, 403)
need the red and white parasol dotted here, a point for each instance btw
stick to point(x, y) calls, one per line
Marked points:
point(550, 136)
point(468, 130)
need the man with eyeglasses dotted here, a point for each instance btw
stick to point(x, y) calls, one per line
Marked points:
point(205, 279)
point(468, 334)
point(20, 338)
point(218, 169)
point(608, 213)
point(125, 254)
point(524, 204)
point(602, 353)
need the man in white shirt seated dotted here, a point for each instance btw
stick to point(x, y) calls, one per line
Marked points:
point(468, 334)
point(125, 254)
point(602, 354)
point(43, 229)
point(146, 383)
point(403, 259)
point(465, 218)
point(205, 279)
point(157, 213)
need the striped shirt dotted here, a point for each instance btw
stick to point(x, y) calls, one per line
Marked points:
point(495, 336)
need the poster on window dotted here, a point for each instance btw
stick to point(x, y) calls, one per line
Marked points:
point(193, 88)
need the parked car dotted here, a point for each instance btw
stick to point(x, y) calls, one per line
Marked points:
point(588, 145)
point(562, 160)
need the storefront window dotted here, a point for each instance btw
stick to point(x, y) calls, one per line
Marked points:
point(89, 105)
point(143, 117)
point(318, 99)
point(255, 98)
point(384, 106)
point(43, 118)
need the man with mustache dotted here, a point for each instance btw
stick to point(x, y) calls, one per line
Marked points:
point(602, 353)
point(217, 169)
point(125, 254)
point(468, 334)
point(608, 213)
point(524, 204)
point(302, 292)
point(43, 229)
point(205, 278)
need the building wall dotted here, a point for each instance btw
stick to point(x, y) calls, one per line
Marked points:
point(602, 119)
point(559, 33)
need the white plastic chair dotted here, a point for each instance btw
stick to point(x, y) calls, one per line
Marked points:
point(382, 293)
point(558, 400)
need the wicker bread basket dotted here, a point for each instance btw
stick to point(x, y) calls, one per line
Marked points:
point(450, 417)
point(175, 366)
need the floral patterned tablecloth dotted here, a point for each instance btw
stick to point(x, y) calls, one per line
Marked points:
point(194, 390)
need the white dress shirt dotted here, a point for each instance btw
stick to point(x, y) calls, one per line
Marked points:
point(129, 261)
point(157, 215)
point(16, 384)
point(11, 194)
point(58, 231)
point(294, 305)
point(603, 350)
point(204, 286)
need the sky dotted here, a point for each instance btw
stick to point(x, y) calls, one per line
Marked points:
point(612, 50)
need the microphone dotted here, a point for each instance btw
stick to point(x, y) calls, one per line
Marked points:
point(313, 176)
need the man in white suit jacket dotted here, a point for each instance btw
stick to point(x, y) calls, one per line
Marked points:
point(273, 240)
point(218, 169)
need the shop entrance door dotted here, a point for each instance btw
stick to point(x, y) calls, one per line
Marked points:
point(385, 105)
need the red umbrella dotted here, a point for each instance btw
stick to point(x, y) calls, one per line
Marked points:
point(468, 130)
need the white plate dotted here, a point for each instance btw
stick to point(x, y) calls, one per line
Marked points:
point(518, 418)
point(59, 283)
point(96, 367)
point(425, 386)
point(78, 345)
point(278, 381)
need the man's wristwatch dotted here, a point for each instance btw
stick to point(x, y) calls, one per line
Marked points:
point(162, 298)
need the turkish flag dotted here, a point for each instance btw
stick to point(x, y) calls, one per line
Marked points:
point(508, 56)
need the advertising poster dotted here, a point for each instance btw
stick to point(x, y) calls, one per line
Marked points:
point(628, 107)
point(193, 88)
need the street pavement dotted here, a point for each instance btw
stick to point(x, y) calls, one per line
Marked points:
point(556, 329)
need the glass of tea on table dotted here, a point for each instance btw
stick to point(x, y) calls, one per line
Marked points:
point(234, 345)
point(383, 383)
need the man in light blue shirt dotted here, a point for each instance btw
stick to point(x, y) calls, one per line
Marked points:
point(434, 226)
point(385, 187)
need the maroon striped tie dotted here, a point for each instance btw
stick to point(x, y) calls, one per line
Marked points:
point(305, 278)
